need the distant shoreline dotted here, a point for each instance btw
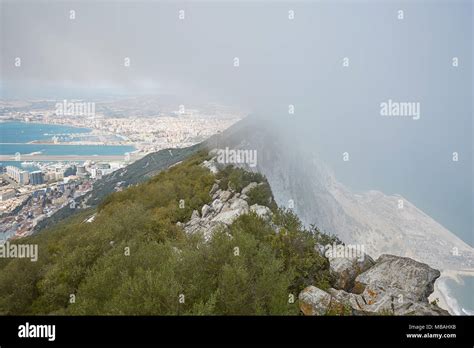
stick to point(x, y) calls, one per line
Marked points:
point(32, 155)
point(441, 291)
point(46, 124)
point(49, 142)
point(39, 142)
point(8, 158)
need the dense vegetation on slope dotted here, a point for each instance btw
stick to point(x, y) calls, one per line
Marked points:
point(148, 166)
point(135, 173)
point(134, 258)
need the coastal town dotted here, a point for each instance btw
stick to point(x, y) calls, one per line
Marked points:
point(135, 122)
point(33, 186)
point(28, 196)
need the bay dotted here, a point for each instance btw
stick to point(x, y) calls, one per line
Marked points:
point(15, 137)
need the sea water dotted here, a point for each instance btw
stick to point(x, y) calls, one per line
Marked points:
point(461, 295)
point(15, 136)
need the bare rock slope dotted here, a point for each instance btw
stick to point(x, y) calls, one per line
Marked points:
point(299, 179)
point(393, 285)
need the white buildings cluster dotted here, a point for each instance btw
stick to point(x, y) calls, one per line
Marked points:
point(23, 206)
point(169, 128)
point(20, 176)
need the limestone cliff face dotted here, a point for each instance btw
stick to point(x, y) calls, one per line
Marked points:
point(372, 218)
point(391, 285)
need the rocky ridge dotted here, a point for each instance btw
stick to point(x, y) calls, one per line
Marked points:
point(391, 285)
point(225, 208)
point(227, 205)
point(369, 218)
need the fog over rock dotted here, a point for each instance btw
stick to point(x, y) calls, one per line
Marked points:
point(373, 219)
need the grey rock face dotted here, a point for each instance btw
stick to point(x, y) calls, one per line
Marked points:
point(225, 208)
point(368, 218)
point(261, 210)
point(211, 165)
point(244, 196)
point(205, 210)
point(401, 273)
point(216, 194)
point(347, 269)
point(238, 203)
point(249, 188)
point(225, 195)
point(232, 212)
point(392, 286)
point(314, 301)
point(375, 300)
point(195, 215)
point(214, 189)
point(217, 205)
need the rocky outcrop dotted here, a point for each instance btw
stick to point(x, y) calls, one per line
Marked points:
point(376, 300)
point(400, 273)
point(391, 286)
point(370, 218)
point(225, 208)
point(261, 210)
point(346, 269)
point(314, 301)
point(211, 165)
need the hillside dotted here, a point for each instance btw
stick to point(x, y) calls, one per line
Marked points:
point(137, 172)
point(296, 172)
point(144, 168)
point(133, 257)
point(201, 238)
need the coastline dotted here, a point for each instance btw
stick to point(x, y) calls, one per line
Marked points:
point(81, 130)
point(45, 124)
point(51, 158)
point(442, 293)
point(29, 147)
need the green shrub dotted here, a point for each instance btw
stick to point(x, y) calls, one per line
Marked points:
point(134, 259)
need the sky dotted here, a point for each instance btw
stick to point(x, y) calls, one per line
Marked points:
point(282, 62)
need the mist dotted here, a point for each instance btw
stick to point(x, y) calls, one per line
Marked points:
point(319, 78)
